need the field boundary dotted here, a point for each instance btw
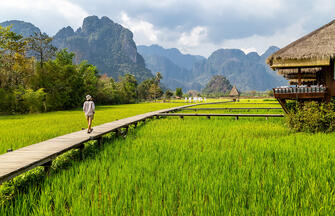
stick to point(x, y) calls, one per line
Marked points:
point(24, 159)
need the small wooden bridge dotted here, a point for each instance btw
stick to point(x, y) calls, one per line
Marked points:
point(234, 108)
point(208, 115)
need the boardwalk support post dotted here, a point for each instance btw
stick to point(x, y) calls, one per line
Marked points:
point(47, 166)
point(236, 117)
point(99, 141)
point(209, 117)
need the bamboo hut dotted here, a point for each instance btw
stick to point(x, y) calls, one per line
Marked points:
point(307, 63)
point(234, 93)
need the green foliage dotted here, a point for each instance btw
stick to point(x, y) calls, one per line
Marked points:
point(127, 87)
point(57, 83)
point(179, 92)
point(311, 117)
point(107, 92)
point(168, 94)
point(143, 89)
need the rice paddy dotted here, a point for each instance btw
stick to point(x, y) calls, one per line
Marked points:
point(194, 166)
point(17, 131)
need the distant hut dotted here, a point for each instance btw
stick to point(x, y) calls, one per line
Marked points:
point(234, 93)
point(307, 63)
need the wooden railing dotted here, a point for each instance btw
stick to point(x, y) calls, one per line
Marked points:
point(300, 89)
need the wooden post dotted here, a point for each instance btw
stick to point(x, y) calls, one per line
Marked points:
point(47, 166)
point(135, 124)
point(182, 117)
point(99, 141)
point(209, 117)
point(299, 76)
point(236, 117)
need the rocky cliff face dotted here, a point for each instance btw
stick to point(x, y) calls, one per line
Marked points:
point(106, 45)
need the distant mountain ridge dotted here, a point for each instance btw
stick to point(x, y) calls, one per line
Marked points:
point(246, 71)
point(26, 29)
point(111, 48)
point(182, 60)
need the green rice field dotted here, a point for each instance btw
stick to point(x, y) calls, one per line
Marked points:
point(17, 131)
point(192, 166)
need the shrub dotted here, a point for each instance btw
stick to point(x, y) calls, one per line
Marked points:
point(311, 117)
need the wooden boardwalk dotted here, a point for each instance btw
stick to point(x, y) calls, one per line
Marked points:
point(24, 159)
point(19, 161)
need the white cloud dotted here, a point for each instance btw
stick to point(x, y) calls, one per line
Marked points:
point(193, 38)
point(259, 8)
point(144, 32)
point(41, 11)
point(260, 43)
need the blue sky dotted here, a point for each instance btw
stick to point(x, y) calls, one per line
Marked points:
point(193, 26)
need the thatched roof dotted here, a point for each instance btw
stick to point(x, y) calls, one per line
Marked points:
point(314, 49)
point(234, 92)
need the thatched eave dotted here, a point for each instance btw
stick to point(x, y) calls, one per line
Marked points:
point(315, 49)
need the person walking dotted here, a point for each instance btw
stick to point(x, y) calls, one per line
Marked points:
point(89, 109)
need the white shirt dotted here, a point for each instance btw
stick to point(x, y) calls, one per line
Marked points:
point(89, 108)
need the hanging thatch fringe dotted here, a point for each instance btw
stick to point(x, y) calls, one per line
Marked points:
point(295, 70)
point(316, 48)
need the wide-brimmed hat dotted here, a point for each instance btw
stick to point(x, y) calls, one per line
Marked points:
point(88, 97)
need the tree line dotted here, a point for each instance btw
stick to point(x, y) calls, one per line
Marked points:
point(36, 77)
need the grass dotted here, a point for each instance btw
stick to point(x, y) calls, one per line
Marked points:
point(17, 131)
point(194, 166)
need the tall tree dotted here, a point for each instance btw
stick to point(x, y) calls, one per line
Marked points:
point(179, 92)
point(158, 78)
point(127, 87)
point(41, 47)
point(14, 66)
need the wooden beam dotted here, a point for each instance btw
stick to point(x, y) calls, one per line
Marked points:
point(235, 108)
point(219, 115)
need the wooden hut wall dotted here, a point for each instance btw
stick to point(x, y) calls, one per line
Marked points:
point(329, 77)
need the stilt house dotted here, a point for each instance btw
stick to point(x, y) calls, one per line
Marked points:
point(307, 63)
